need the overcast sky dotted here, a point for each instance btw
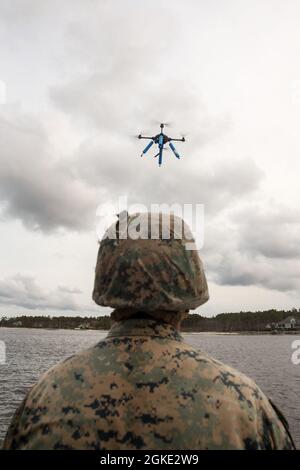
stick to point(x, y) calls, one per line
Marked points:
point(79, 78)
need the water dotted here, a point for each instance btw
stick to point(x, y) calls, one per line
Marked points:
point(265, 358)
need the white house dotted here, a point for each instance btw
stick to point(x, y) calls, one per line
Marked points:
point(288, 323)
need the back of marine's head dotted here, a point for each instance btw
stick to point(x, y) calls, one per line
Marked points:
point(148, 262)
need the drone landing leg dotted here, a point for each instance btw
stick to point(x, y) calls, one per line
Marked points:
point(174, 150)
point(147, 148)
point(160, 157)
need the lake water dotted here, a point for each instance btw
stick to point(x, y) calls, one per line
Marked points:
point(265, 358)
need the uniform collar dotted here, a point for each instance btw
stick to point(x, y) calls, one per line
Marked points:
point(144, 327)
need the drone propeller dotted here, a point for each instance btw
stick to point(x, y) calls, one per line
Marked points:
point(184, 135)
point(156, 122)
point(136, 136)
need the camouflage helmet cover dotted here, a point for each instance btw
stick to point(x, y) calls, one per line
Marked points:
point(154, 271)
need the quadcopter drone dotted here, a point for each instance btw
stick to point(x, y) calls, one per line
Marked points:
point(161, 139)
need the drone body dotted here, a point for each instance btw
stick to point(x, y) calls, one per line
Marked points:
point(161, 139)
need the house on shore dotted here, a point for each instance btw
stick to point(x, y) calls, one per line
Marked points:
point(289, 323)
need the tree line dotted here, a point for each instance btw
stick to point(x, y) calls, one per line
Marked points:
point(223, 322)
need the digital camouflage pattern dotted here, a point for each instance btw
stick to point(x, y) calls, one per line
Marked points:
point(149, 273)
point(143, 387)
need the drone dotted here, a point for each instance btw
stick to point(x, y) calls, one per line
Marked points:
point(161, 139)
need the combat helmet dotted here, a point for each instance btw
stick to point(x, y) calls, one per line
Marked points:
point(144, 263)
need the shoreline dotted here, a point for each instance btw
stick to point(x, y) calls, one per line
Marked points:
point(184, 332)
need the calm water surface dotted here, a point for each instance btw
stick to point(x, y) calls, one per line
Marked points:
point(265, 358)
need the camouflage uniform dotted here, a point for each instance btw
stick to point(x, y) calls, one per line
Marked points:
point(143, 387)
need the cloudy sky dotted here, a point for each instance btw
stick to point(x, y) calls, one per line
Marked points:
point(79, 78)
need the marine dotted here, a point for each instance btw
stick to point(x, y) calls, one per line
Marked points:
point(143, 386)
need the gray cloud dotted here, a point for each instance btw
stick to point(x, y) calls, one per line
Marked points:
point(23, 291)
point(256, 245)
point(34, 186)
point(272, 231)
point(69, 290)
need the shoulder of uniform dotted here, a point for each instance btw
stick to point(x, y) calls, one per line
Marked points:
point(12, 431)
point(279, 413)
point(281, 417)
point(219, 367)
point(226, 376)
point(64, 370)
